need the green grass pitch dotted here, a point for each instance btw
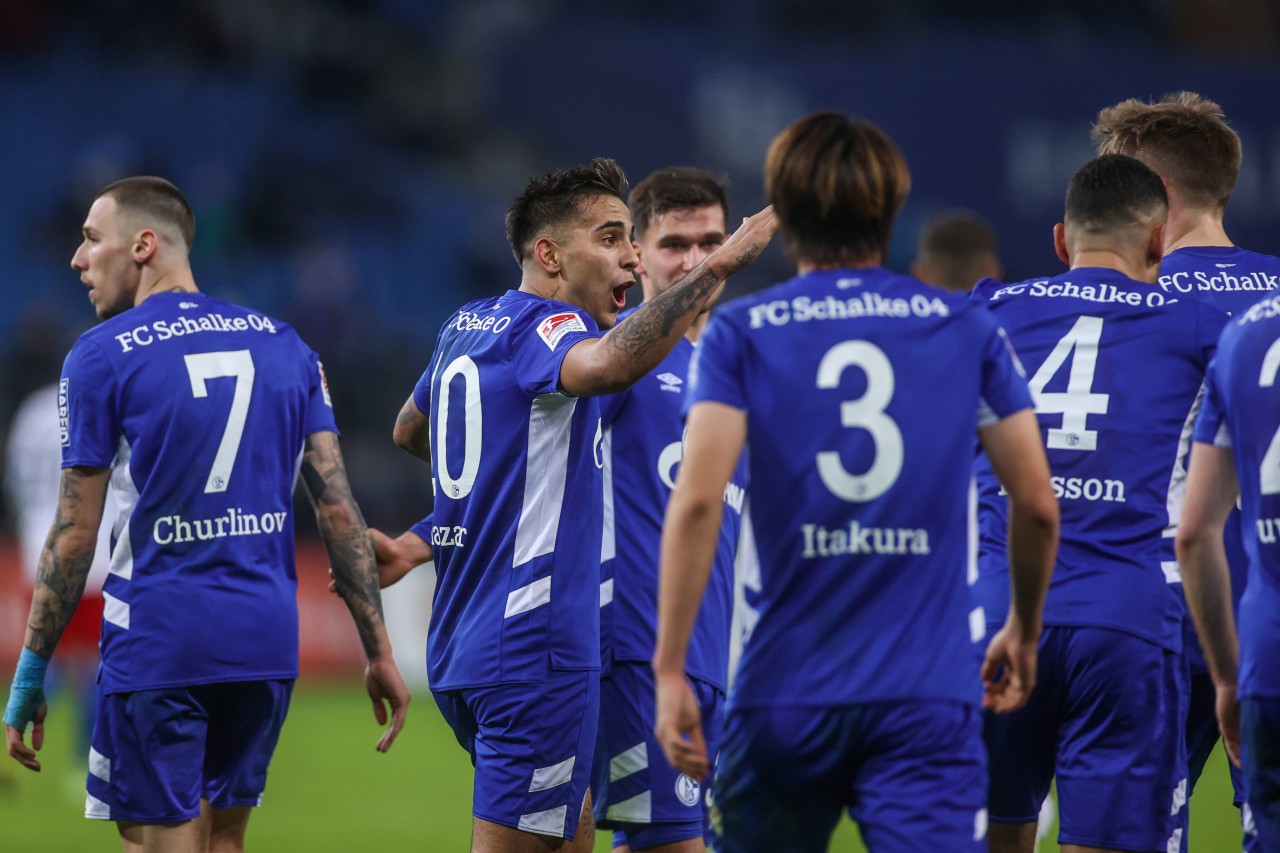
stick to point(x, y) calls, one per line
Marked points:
point(330, 791)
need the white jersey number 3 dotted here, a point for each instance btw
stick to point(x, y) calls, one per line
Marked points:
point(237, 364)
point(1078, 401)
point(868, 413)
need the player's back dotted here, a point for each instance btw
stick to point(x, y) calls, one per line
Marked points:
point(1230, 277)
point(1243, 408)
point(201, 408)
point(517, 519)
point(1116, 366)
point(862, 390)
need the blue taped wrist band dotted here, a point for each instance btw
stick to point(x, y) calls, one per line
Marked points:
point(31, 669)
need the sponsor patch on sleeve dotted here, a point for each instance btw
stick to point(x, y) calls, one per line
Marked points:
point(64, 412)
point(324, 385)
point(555, 327)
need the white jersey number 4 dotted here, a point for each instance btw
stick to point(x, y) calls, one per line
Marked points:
point(1269, 474)
point(1078, 401)
point(237, 364)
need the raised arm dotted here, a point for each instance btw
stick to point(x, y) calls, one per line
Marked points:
point(60, 578)
point(355, 572)
point(636, 346)
point(1212, 489)
point(690, 532)
point(1017, 457)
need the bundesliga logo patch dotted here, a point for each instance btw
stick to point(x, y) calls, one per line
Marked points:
point(555, 327)
point(324, 385)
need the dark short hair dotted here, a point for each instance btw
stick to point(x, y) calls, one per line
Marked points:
point(559, 197)
point(157, 199)
point(1111, 192)
point(1184, 137)
point(836, 184)
point(674, 188)
point(956, 246)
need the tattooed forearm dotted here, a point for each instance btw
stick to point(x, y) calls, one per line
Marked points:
point(346, 538)
point(412, 432)
point(66, 558)
point(654, 322)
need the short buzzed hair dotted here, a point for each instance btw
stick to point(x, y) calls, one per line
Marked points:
point(156, 199)
point(1111, 193)
point(1184, 137)
point(957, 247)
point(559, 197)
point(836, 184)
point(674, 188)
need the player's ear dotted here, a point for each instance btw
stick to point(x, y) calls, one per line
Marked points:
point(639, 270)
point(1060, 243)
point(549, 255)
point(144, 246)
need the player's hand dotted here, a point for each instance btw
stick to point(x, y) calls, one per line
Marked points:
point(1228, 707)
point(14, 737)
point(383, 682)
point(1009, 671)
point(679, 726)
point(745, 244)
point(396, 558)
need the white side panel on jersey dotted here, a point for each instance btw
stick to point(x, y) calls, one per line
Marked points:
point(746, 576)
point(1178, 478)
point(609, 542)
point(528, 597)
point(606, 592)
point(124, 494)
point(115, 611)
point(971, 521)
point(550, 424)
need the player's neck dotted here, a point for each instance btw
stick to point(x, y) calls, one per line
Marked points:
point(171, 281)
point(1110, 259)
point(1189, 228)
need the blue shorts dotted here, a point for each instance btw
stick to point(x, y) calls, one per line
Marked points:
point(911, 773)
point(157, 753)
point(1260, 743)
point(1107, 718)
point(637, 793)
point(532, 747)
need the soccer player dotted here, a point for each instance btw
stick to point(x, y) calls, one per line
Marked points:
point(860, 392)
point(1187, 141)
point(679, 216)
point(1237, 454)
point(198, 413)
point(1116, 365)
point(507, 415)
point(956, 250)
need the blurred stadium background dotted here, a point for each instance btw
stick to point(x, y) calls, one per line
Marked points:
point(350, 161)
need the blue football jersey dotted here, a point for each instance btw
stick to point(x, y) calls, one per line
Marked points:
point(1242, 411)
point(1116, 366)
point(643, 431)
point(516, 464)
point(201, 408)
point(862, 390)
point(1233, 279)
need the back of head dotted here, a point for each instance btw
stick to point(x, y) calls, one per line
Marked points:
point(836, 184)
point(559, 198)
point(151, 202)
point(956, 249)
point(674, 188)
point(1114, 199)
point(1184, 137)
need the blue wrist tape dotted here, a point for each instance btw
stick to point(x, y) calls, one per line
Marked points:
point(27, 694)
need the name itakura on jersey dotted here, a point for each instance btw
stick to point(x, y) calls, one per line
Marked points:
point(820, 541)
